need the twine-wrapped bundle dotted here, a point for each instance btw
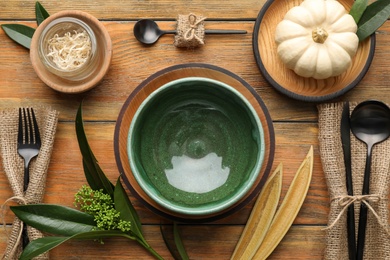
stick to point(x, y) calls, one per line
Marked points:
point(190, 31)
point(14, 169)
point(377, 245)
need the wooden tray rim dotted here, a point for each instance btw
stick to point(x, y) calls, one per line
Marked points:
point(283, 90)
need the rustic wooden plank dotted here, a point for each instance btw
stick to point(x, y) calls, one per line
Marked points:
point(201, 242)
point(127, 71)
point(295, 122)
point(124, 10)
point(65, 174)
point(131, 58)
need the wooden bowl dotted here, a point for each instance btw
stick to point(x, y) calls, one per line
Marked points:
point(284, 79)
point(99, 66)
point(159, 79)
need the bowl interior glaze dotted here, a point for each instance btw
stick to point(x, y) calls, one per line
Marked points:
point(196, 146)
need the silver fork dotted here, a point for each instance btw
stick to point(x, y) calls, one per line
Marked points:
point(29, 144)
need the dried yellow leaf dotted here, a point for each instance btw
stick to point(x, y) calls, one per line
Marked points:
point(260, 217)
point(289, 208)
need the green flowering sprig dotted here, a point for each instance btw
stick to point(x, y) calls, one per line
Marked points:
point(102, 208)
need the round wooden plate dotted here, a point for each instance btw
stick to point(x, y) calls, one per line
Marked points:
point(157, 80)
point(284, 79)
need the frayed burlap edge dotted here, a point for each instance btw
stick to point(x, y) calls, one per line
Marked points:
point(377, 244)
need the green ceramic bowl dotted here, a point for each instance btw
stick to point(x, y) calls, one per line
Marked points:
point(196, 146)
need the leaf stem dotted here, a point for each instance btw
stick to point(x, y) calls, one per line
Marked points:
point(143, 243)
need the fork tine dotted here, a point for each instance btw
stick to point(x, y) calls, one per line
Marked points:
point(25, 127)
point(30, 127)
point(36, 129)
point(30, 132)
point(20, 131)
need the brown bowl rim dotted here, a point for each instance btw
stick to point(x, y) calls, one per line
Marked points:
point(267, 164)
point(289, 93)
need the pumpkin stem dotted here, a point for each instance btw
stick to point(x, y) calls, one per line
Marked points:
point(319, 35)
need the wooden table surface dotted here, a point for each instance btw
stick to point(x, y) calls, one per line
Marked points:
point(295, 122)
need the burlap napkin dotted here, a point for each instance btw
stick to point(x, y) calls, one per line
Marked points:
point(13, 168)
point(190, 31)
point(377, 244)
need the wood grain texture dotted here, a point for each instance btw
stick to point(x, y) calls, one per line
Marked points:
point(201, 242)
point(65, 174)
point(130, 10)
point(295, 122)
point(130, 59)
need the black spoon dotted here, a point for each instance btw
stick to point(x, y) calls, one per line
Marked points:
point(148, 32)
point(370, 123)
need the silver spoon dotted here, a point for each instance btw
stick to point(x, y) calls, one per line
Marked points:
point(148, 32)
point(370, 123)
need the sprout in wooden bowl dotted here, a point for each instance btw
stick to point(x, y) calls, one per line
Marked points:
point(71, 51)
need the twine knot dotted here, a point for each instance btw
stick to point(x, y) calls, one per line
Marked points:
point(191, 32)
point(347, 200)
point(18, 199)
point(21, 201)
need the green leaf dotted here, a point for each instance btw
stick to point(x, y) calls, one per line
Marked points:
point(179, 243)
point(55, 219)
point(373, 17)
point(20, 33)
point(170, 243)
point(95, 176)
point(40, 13)
point(128, 213)
point(42, 245)
point(373, 9)
point(175, 247)
point(357, 9)
point(97, 180)
point(126, 209)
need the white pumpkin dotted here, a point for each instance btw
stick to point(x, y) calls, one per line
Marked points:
point(317, 39)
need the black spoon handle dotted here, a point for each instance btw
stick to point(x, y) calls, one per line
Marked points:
point(362, 231)
point(212, 32)
point(169, 32)
point(363, 208)
point(346, 142)
point(225, 32)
